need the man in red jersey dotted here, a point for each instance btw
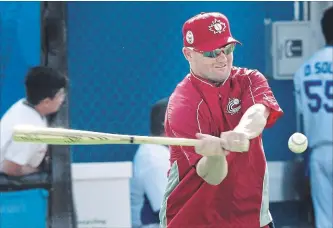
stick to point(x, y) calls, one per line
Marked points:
point(214, 185)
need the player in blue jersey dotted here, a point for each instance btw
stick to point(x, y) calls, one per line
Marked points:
point(314, 98)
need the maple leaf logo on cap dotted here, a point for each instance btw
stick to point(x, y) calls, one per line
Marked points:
point(217, 26)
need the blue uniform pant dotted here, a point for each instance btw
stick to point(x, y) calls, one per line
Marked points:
point(321, 176)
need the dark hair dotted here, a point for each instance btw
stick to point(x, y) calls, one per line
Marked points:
point(327, 25)
point(157, 116)
point(43, 82)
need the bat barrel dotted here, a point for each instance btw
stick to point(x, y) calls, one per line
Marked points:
point(59, 136)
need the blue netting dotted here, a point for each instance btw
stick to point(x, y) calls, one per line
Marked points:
point(124, 56)
point(19, 48)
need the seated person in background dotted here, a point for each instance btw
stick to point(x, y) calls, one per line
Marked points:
point(150, 167)
point(45, 92)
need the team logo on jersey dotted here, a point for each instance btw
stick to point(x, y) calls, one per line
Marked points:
point(217, 27)
point(233, 106)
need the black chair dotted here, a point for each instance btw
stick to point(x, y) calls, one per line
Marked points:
point(13, 183)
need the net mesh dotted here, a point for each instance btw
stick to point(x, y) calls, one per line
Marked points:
point(124, 56)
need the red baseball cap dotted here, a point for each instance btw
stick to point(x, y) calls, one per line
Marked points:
point(207, 32)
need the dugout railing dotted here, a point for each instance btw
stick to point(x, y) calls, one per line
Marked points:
point(54, 54)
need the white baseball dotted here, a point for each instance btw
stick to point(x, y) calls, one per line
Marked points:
point(298, 142)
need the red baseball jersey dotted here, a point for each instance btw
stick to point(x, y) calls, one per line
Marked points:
point(241, 200)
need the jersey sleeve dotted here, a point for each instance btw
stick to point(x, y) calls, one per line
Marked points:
point(23, 153)
point(20, 153)
point(184, 121)
point(257, 91)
